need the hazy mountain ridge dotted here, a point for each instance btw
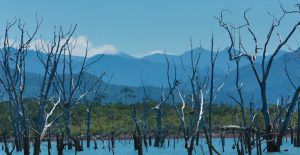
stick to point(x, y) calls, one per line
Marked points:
point(128, 71)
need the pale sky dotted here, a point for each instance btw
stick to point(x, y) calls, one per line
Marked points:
point(140, 27)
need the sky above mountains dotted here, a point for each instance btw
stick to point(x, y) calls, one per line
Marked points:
point(145, 27)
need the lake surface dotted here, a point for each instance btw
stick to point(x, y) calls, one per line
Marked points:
point(126, 148)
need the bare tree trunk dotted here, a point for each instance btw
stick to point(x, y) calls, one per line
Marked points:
point(112, 139)
point(271, 145)
point(39, 127)
point(88, 128)
point(37, 144)
point(297, 143)
point(211, 91)
point(292, 134)
point(150, 140)
point(189, 145)
point(68, 124)
point(258, 142)
point(207, 140)
point(145, 140)
point(288, 116)
point(190, 150)
point(145, 116)
point(16, 131)
point(197, 137)
point(135, 141)
point(26, 142)
point(95, 144)
point(49, 142)
point(5, 142)
point(139, 145)
point(77, 143)
point(158, 136)
point(17, 142)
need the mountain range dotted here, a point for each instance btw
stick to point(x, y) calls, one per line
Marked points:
point(131, 72)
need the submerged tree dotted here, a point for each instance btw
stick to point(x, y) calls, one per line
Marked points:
point(194, 122)
point(158, 142)
point(295, 88)
point(145, 115)
point(95, 91)
point(241, 101)
point(137, 134)
point(50, 55)
point(262, 74)
point(13, 77)
point(68, 82)
point(158, 132)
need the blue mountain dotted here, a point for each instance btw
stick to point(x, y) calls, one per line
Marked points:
point(128, 71)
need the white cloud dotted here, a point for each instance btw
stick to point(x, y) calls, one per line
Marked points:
point(79, 46)
point(103, 49)
point(142, 54)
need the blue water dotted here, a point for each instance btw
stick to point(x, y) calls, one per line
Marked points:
point(126, 148)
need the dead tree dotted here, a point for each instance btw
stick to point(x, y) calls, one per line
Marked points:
point(211, 89)
point(60, 143)
point(137, 135)
point(13, 79)
point(190, 134)
point(297, 142)
point(145, 115)
point(53, 53)
point(296, 89)
point(5, 140)
point(196, 98)
point(240, 99)
point(266, 65)
point(68, 84)
point(158, 132)
point(294, 85)
point(94, 92)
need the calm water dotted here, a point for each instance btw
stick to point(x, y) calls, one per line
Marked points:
point(126, 148)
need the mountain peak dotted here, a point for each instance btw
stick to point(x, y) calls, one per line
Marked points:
point(125, 55)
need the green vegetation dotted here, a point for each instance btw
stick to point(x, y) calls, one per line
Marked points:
point(117, 117)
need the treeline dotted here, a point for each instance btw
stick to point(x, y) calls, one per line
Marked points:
point(116, 118)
